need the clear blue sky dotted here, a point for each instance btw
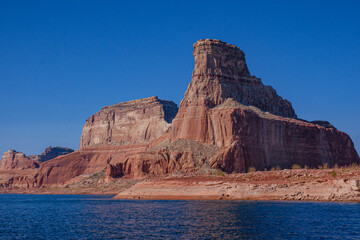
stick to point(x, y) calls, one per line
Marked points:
point(61, 61)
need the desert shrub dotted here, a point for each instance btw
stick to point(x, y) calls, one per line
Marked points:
point(336, 166)
point(325, 166)
point(252, 169)
point(354, 165)
point(296, 166)
point(306, 167)
point(277, 168)
point(220, 173)
point(320, 167)
point(333, 174)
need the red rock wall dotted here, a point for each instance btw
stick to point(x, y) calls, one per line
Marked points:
point(269, 141)
point(16, 160)
point(213, 111)
point(134, 122)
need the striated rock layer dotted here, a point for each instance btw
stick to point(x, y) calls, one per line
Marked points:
point(251, 124)
point(252, 138)
point(17, 160)
point(318, 185)
point(248, 122)
point(109, 137)
point(133, 122)
point(221, 72)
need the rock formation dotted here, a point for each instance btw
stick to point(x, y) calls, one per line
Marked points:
point(109, 137)
point(50, 153)
point(16, 160)
point(226, 107)
point(221, 72)
point(228, 120)
point(133, 122)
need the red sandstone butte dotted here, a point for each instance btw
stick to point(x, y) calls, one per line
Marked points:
point(246, 121)
point(109, 137)
point(16, 160)
point(138, 121)
point(227, 120)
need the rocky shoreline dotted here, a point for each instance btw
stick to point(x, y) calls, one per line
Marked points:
point(341, 184)
point(296, 185)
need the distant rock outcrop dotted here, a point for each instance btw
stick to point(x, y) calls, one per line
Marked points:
point(17, 160)
point(50, 153)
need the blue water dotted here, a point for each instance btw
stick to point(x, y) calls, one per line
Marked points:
point(100, 217)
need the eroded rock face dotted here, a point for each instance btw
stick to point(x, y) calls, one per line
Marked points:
point(168, 157)
point(50, 153)
point(16, 160)
point(263, 140)
point(221, 72)
point(134, 122)
point(248, 121)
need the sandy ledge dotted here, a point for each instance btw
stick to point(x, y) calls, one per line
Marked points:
point(342, 184)
point(300, 185)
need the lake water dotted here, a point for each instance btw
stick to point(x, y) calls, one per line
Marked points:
point(100, 217)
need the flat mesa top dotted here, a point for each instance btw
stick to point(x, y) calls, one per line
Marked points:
point(218, 44)
point(138, 103)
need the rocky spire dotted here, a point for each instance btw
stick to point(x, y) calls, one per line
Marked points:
point(221, 72)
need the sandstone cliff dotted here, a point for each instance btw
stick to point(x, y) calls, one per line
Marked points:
point(221, 72)
point(108, 137)
point(250, 125)
point(16, 160)
point(133, 122)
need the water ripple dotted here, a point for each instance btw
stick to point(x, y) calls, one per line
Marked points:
point(100, 217)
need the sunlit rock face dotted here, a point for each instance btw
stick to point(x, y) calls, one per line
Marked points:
point(225, 106)
point(17, 160)
point(220, 74)
point(134, 122)
point(229, 120)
